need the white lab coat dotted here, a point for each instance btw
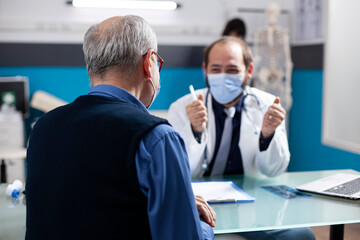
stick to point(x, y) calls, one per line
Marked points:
point(270, 162)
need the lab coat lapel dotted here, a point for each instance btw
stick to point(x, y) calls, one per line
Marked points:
point(251, 122)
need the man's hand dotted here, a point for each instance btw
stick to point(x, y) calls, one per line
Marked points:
point(272, 119)
point(197, 114)
point(206, 213)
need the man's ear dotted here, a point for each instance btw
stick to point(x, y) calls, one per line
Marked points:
point(204, 68)
point(249, 71)
point(147, 65)
point(205, 74)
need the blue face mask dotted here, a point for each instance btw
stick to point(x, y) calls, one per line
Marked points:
point(225, 87)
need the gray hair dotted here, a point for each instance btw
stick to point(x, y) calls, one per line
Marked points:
point(122, 45)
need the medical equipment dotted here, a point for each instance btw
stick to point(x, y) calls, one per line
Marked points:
point(12, 129)
point(13, 190)
point(253, 100)
point(272, 58)
point(254, 97)
point(45, 102)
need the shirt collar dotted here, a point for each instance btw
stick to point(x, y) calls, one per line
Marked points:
point(115, 92)
point(219, 109)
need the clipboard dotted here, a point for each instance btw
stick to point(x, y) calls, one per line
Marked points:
point(221, 192)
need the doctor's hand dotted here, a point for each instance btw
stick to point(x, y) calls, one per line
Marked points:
point(197, 114)
point(206, 213)
point(272, 119)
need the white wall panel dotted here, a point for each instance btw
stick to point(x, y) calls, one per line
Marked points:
point(196, 22)
point(341, 98)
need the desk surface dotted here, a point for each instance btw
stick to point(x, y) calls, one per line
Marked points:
point(12, 216)
point(269, 211)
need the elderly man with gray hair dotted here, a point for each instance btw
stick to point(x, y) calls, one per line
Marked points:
point(102, 167)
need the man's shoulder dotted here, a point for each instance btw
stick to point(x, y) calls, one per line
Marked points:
point(159, 133)
point(52, 115)
point(163, 130)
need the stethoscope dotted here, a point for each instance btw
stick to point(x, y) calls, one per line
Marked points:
point(205, 164)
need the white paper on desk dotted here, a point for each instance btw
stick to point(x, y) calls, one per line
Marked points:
point(220, 192)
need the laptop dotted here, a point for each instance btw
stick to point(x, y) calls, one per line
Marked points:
point(344, 185)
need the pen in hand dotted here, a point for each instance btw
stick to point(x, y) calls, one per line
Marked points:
point(196, 111)
point(193, 94)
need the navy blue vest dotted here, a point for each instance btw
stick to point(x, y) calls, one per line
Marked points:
point(81, 180)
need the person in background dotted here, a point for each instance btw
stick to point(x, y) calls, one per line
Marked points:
point(102, 167)
point(236, 28)
point(231, 128)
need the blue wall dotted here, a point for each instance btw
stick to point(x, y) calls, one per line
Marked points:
point(68, 83)
point(307, 152)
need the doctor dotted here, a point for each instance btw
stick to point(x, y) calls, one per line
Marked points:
point(231, 128)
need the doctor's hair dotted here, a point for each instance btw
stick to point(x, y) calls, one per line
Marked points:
point(119, 46)
point(227, 39)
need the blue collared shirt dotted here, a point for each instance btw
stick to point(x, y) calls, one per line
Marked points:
point(164, 177)
point(234, 163)
point(234, 160)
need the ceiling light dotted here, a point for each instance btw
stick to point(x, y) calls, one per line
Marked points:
point(158, 5)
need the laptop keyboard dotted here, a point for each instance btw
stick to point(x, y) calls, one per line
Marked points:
point(348, 188)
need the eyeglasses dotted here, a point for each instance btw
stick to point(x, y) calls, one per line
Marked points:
point(160, 61)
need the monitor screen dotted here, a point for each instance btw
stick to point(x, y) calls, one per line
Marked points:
point(15, 90)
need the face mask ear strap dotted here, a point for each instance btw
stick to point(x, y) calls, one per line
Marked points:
point(207, 81)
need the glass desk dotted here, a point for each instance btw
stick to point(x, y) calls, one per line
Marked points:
point(12, 216)
point(270, 211)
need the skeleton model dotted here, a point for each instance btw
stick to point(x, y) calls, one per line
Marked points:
point(272, 58)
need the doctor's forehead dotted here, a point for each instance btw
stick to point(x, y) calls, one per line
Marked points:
point(226, 53)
